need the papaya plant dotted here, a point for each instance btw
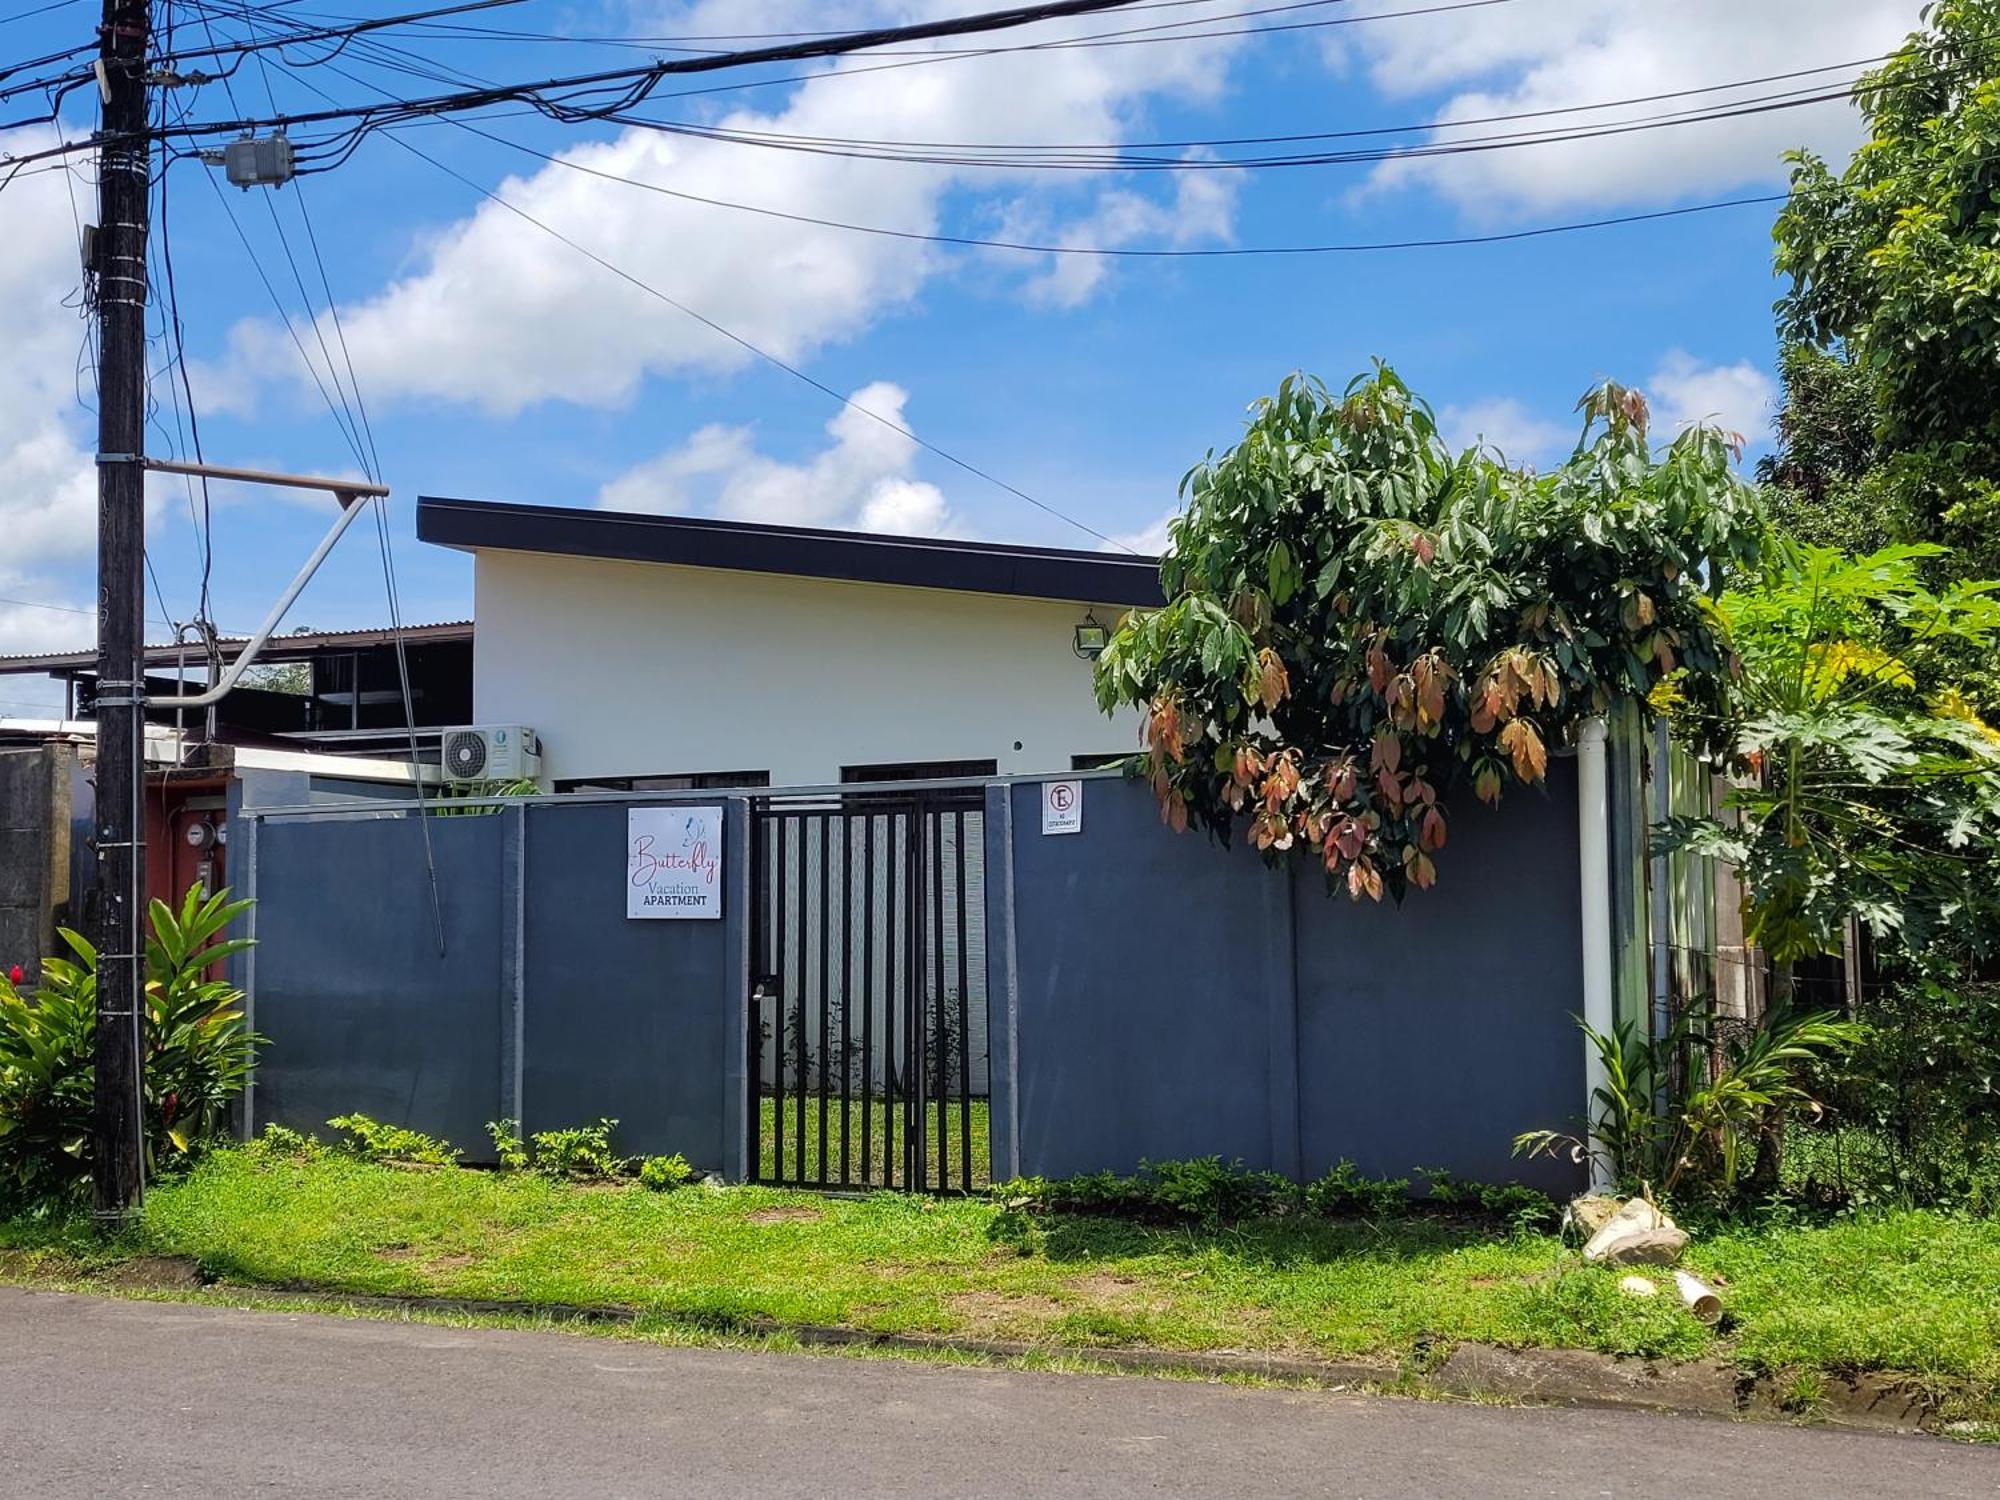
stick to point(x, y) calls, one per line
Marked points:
point(196, 1054)
point(1867, 785)
point(1362, 624)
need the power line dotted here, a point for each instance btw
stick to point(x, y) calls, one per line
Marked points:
point(38, 10)
point(727, 36)
point(342, 33)
point(637, 83)
point(1218, 252)
point(65, 609)
point(750, 136)
point(737, 339)
point(1123, 162)
point(790, 369)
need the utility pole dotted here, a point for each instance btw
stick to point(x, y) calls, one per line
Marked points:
point(124, 188)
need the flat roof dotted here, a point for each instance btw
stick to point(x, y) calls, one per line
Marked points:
point(797, 551)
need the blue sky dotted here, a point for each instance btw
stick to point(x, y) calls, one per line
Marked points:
point(496, 362)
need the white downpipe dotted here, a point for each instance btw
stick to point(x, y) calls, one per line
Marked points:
point(1593, 808)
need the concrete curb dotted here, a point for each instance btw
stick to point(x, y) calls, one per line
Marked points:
point(826, 1335)
point(1868, 1402)
point(1581, 1377)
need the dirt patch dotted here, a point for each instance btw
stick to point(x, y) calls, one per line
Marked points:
point(988, 1312)
point(399, 1251)
point(796, 1213)
point(155, 1273)
point(1114, 1293)
point(457, 1260)
point(37, 1265)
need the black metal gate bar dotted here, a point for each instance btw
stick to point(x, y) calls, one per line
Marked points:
point(825, 988)
point(867, 995)
point(941, 1045)
point(911, 1012)
point(846, 989)
point(964, 1022)
point(889, 928)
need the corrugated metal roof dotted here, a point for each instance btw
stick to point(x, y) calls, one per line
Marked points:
point(278, 648)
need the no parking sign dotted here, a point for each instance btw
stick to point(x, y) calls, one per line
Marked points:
point(1062, 807)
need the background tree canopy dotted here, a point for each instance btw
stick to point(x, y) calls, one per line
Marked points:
point(1895, 292)
point(1363, 624)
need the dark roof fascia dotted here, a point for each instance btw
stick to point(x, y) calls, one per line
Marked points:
point(1107, 578)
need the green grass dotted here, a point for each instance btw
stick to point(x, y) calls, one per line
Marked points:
point(885, 1129)
point(1906, 1291)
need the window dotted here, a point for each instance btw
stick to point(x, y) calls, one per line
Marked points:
point(1099, 762)
point(689, 781)
point(921, 770)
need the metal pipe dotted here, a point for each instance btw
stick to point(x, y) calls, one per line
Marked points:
point(344, 488)
point(1594, 866)
point(350, 507)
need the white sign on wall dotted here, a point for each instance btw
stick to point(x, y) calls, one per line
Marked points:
point(1062, 807)
point(673, 862)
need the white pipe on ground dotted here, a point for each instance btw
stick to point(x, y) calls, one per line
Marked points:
point(1593, 807)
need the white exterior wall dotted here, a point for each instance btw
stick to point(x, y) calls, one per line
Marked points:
point(651, 669)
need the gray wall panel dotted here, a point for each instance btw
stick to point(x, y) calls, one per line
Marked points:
point(635, 1020)
point(1432, 1034)
point(1146, 964)
point(1177, 999)
point(361, 1011)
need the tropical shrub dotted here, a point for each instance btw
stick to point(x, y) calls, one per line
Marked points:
point(580, 1153)
point(1867, 786)
point(282, 1143)
point(1209, 1191)
point(662, 1174)
point(1361, 623)
point(1916, 1104)
point(1346, 1192)
point(510, 1152)
point(196, 1052)
point(1678, 1112)
point(372, 1140)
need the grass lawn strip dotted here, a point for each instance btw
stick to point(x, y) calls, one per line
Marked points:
point(1905, 1292)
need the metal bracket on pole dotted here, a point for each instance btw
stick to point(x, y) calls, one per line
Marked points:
point(350, 493)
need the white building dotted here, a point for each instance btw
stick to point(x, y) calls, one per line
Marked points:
point(651, 652)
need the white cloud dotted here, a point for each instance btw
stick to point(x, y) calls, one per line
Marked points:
point(1506, 424)
point(1738, 398)
point(1148, 541)
point(1203, 208)
point(904, 507)
point(501, 314)
point(47, 482)
point(1512, 59)
point(860, 480)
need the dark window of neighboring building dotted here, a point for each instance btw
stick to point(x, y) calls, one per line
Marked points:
point(921, 770)
point(692, 781)
point(1099, 762)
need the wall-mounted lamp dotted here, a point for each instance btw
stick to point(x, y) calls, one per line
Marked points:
point(1091, 638)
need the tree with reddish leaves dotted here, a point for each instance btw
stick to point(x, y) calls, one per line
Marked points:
point(1362, 624)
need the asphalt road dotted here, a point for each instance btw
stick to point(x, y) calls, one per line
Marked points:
point(103, 1398)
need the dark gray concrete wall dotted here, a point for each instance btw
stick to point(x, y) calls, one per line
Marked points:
point(641, 1021)
point(362, 1012)
point(1151, 984)
point(549, 1006)
point(1171, 998)
point(1432, 1034)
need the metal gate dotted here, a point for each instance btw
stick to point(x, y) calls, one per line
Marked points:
point(869, 1062)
